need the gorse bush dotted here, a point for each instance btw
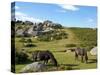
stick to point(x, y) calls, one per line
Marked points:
point(44, 38)
point(70, 45)
point(56, 35)
point(29, 45)
point(69, 68)
point(29, 40)
point(22, 39)
point(21, 57)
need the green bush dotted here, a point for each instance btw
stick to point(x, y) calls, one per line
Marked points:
point(29, 40)
point(22, 40)
point(62, 67)
point(69, 68)
point(25, 40)
point(44, 38)
point(56, 35)
point(70, 45)
point(21, 57)
point(29, 45)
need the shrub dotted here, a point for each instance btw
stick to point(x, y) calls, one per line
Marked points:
point(70, 45)
point(21, 57)
point(22, 40)
point(25, 40)
point(29, 40)
point(44, 38)
point(29, 45)
point(55, 35)
point(58, 37)
point(62, 67)
point(83, 45)
point(19, 27)
point(69, 68)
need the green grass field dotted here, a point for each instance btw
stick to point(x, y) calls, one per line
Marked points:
point(65, 59)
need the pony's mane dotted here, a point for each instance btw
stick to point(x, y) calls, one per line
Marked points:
point(53, 58)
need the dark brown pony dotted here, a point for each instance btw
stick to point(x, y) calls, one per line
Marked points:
point(44, 56)
point(81, 52)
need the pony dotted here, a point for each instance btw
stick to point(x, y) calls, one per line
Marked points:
point(44, 56)
point(81, 52)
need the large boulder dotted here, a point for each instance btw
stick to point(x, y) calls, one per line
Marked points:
point(33, 67)
point(93, 51)
point(19, 32)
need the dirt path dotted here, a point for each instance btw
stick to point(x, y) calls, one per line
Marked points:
point(71, 37)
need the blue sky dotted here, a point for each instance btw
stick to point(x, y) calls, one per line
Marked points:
point(67, 15)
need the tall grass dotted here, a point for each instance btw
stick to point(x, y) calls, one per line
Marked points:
point(87, 36)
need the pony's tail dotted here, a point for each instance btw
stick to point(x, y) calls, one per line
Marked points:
point(56, 63)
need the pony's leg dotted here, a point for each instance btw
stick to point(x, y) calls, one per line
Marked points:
point(35, 59)
point(46, 61)
point(82, 58)
point(76, 56)
point(86, 58)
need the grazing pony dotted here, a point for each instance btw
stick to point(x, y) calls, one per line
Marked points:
point(81, 52)
point(44, 56)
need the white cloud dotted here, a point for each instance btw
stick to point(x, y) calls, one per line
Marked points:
point(69, 7)
point(25, 17)
point(90, 20)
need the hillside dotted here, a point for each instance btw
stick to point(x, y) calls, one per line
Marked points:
point(60, 45)
point(51, 45)
point(79, 37)
point(87, 36)
point(59, 40)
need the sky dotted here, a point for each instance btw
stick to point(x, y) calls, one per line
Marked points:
point(66, 15)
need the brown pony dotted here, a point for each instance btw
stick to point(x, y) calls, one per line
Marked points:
point(81, 52)
point(44, 56)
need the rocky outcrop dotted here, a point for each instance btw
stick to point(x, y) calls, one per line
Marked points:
point(38, 28)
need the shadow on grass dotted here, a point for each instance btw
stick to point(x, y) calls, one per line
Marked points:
point(30, 45)
point(64, 66)
point(92, 61)
point(70, 64)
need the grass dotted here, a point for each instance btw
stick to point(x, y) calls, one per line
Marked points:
point(87, 36)
point(65, 60)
